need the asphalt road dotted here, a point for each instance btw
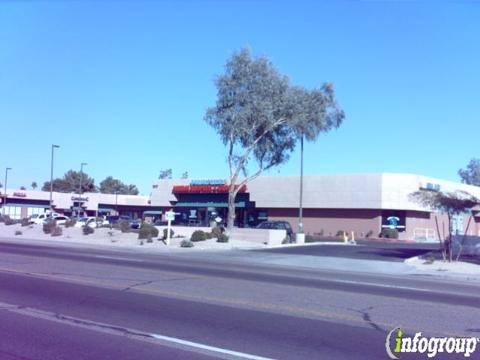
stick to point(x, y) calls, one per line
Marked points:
point(368, 250)
point(66, 303)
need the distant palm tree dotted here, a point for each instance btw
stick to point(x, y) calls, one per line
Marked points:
point(34, 185)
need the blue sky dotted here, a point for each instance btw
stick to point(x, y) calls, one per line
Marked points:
point(124, 85)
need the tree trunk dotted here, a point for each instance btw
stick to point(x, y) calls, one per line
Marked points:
point(231, 208)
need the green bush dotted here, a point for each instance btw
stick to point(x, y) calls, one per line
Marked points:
point(209, 235)
point(147, 231)
point(198, 235)
point(165, 233)
point(18, 232)
point(124, 226)
point(186, 244)
point(70, 223)
point(217, 231)
point(87, 230)
point(389, 233)
point(222, 238)
point(56, 231)
point(24, 222)
point(49, 226)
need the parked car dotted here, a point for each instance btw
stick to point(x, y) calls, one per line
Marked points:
point(40, 218)
point(60, 219)
point(136, 224)
point(90, 221)
point(279, 225)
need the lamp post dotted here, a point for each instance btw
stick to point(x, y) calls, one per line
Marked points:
point(81, 176)
point(301, 236)
point(80, 189)
point(5, 191)
point(51, 178)
point(116, 202)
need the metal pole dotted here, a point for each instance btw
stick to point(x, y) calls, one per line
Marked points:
point(51, 179)
point(116, 202)
point(300, 212)
point(5, 191)
point(81, 176)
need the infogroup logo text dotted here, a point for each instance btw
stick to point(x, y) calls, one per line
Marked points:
point(431, 346)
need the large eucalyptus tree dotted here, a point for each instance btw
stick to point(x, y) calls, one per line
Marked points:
point(260, 117)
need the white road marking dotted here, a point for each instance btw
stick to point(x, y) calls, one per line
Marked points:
point(122, 331)
point(209, 348)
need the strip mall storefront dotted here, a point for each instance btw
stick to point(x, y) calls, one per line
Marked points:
point(362, 203)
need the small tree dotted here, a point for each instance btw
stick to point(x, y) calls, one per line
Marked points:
point(23, 188)
point(471, 175)
point(260, 116)
point(165, 174)
point(185, 175)
point(34, 185)
point(449, 203)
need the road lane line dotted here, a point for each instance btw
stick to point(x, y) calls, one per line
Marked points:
point(122, 331)
point(209, 348)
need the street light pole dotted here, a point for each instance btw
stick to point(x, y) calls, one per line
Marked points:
point(81, 176)
point(300, 211)
point(5, 191)
point(51, 178)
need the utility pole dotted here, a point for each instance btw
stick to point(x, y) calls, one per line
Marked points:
point(5, 191)
point(51, 178)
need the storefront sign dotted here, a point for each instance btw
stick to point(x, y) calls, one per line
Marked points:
point(19, 194)
point(207, 182)
point(79, 198)
point(394, 221)
point(204, 189)
point(430, 186)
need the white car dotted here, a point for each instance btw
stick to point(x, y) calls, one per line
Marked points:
point(90, 221)
point(60, 219)
point(40, 218)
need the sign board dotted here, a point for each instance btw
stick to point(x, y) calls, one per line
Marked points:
point(79, 198)
point(169, 216)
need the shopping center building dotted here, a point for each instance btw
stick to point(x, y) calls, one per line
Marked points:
point(23, 203)
point(362, 203)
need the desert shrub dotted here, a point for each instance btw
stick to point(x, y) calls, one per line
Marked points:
point(165, 233)
point(369, 233)
point(198, 235)
point(186, 244)
point(18, 232)
point(222, 238)
point(70, 223)
point(87, 230)
point(147, 231)
point(124, 226)
point(320, 233)
point(56, 231)
point(9, 221)
point(24, 222)
point(217, 231)
point(309, 239)
point(209, 235)
point(49, 226)
point(340, 233)
point(286, 240)
point(389, 233)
